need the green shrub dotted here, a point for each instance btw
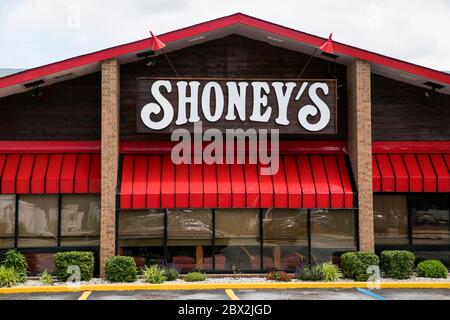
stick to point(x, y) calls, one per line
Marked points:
point(16, 261)
point(278, 276)
point(330, 272)
point(154, 274)
point(171, 273)
point(46, 278)
point(195, 277)
point(432, 269)
point(306, 273)
point(9, 277)
point(84, 260)
point(121, 269)
point(397, 264)
point(354, 265)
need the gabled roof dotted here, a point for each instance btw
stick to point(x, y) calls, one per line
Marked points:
point(234, 24)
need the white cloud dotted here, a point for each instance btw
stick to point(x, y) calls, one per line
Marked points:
point(36, 32)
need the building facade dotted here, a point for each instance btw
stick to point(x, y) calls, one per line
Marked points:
point(82, 168)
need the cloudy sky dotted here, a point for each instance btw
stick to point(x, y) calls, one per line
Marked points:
point(37, 32)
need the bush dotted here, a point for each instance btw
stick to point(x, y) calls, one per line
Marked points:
point(354, 265)
point(121, 269)
point(278, 276)
point(17, 262)
point(397, 264)
point(83, 260)
point(306, 273)
point(195, 277)
point(154, 274)
point(46, 278)
point(171, 273)
point(330, 272)
point(432, 269)
point(9, 277)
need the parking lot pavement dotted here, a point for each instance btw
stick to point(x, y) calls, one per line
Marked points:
point(160, 295)
point(284, 294)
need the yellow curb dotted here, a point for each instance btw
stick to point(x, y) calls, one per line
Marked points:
point(85, 295)
point(225, 286)
point(231, 295)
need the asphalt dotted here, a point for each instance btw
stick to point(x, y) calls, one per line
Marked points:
point(285, 294)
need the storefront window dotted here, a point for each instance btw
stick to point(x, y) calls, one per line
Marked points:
point(189, 239)
point(7, 219)
point(285, 239)
point(80, 220)
point(430, 218)
point(141, 235)
point(391, 219)
point(238, 240)
point(38, 221)
point(332, 233)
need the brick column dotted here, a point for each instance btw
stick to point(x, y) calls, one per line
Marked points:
point(110, 158)
point(360, 146)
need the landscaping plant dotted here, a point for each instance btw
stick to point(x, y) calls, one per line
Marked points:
point(154, 274)
point(46, 278)
point(9, 277)
point(330, 272)
point(195, 277)
point(278, 276)
point(432, 269)
point(354, 265)
point(397, 264)
point(16, 261)
point(121, 269)
point(171, 272)
point(307, 273)
point(66, 263)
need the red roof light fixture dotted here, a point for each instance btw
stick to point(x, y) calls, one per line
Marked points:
point(157, 44)
point(328, 45)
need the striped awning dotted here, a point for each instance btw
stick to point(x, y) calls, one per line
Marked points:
point(302, 181)
point(49, 173)
point(411, 172)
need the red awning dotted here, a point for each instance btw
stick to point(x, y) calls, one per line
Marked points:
point(411, 172)
point(49, 173)
point(302, 181)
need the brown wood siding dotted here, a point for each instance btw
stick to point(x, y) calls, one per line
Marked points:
point(68, 110)
point(402, 112)
point(230, 57)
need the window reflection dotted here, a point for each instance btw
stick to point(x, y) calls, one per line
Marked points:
point(80, 220)
point(391, 219)
point(332, 233)
point(189, 239)
point(285, 239)
point(430, 218)
point(38, 221)
point(238, 240)
point(7, 219)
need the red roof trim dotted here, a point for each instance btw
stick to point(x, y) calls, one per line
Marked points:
point(411, 147)
point(180, 34)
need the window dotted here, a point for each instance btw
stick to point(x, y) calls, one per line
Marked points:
point(141, 235)
point(38, 221)
point(189, 239)
point(237, 240)
point(285, 239)
point(80, 220)
point(7, 220)
point(430, 219)
point(391, 219)
point(332, 233)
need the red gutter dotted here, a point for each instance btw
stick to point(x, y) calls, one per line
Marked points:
point(29, 75)
point(49, 147)
point(411, 147)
